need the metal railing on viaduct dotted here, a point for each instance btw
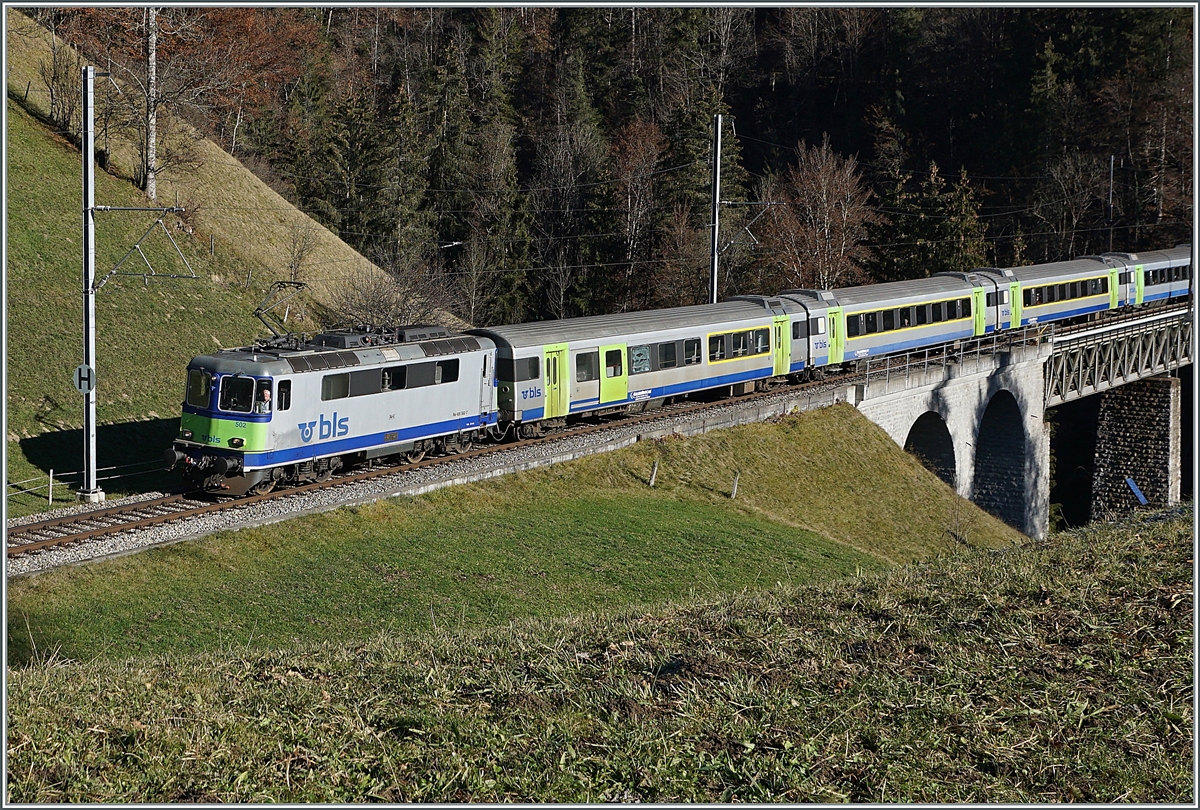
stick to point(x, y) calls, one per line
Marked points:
point(1093, 358)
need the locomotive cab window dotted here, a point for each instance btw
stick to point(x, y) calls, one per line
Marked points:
point(199, 388)
point(237, 394)
point(283, 395)
point(262, 398)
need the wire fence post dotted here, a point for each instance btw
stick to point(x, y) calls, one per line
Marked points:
point(654, 473)
point(50, 490)
point(736, 476)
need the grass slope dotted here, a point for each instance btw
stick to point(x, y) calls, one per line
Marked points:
point(573, 537)
point(1054, 673)
point(146, 333)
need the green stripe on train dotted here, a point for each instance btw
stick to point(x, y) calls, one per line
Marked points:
point(216, 432)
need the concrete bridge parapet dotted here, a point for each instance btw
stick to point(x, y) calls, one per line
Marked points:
point(978, 422)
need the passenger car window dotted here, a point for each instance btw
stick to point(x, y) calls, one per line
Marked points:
point(639, 359)
point(587, 366)
point(889, 319)
point(762, 341)
point(237, 394)
point(740, 344)
point(691, 351)
point(666, 355)
point(199, 388)
point(716, 348)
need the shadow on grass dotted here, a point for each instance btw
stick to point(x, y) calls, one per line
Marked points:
point(134, 449)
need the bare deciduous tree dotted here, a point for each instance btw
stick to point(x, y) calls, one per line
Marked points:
point(62, 76)
point(683, 278)
point(302, 243)
point(815, 238)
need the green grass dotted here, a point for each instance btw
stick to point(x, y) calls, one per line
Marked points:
point(546, 543)
point(1055, 673)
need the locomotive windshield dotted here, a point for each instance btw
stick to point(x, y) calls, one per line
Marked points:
point(237, 394)
point(199, 388)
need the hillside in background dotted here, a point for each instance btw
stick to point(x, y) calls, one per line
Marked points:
point(146, 332)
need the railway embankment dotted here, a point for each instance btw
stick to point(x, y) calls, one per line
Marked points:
point(573, 634)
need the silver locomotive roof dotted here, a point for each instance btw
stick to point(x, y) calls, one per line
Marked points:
point(323, 353)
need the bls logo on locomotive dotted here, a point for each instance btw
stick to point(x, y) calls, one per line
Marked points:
point(329, 428)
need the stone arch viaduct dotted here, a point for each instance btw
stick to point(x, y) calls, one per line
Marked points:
point(976, 416)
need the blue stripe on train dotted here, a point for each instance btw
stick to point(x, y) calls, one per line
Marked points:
point(888, 348)
point(353, 444)
point(1058, 316)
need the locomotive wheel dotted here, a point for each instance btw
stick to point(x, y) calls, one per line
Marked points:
point(413, 456)
point(263, 487)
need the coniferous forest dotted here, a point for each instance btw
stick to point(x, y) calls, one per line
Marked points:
point(530, 163)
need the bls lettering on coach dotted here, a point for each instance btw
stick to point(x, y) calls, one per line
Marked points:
point(327, 428)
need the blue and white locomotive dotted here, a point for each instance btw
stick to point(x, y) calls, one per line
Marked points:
point(289, 410)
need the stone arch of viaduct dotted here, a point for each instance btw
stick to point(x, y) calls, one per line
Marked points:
point(981, 432)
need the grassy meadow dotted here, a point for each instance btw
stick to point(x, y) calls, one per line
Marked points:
point(1059, 672)
point(545, 543)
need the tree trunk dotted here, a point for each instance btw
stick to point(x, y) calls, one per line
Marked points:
point(151, 102)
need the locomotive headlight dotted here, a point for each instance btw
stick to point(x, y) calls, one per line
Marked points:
point(185, 434)
point(236, 442)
